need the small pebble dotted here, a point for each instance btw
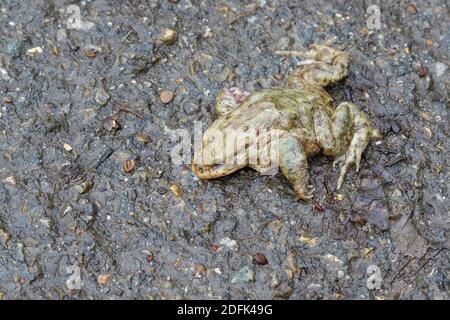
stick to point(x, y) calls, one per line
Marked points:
point(308, 240)
point(259, 258)
point(90, 53)
point(167, 284)
point(14, 49)
point(244, 275)
point(168, 36)
point(102, 97)
point(110, 124)
point(103, 279)
point(84, 187)
point(199, 270)
point(149, 257)
point(426, 116)
point(142, 137)
point(55, 51)
point(274, 282)
point(411, 9)
point(428, 132)
point(166, 96)
point(128, 166)
point(67, 147)
point(4, 236)
point(223, 9)
point(423, 71)
point(208, 34)
point(440, 68)
point(33, 51)
point(12, 180)
point(175, 188)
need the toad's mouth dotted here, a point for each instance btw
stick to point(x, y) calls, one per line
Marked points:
point(214, 171)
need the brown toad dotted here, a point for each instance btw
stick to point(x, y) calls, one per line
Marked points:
point(303, 116)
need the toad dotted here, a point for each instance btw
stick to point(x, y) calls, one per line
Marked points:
point(301, 118)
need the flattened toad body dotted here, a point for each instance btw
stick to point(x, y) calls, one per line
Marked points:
point(285, 126)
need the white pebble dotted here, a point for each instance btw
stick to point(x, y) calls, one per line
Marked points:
point(440, 68)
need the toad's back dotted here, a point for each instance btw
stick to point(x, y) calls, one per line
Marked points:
point(279, 108)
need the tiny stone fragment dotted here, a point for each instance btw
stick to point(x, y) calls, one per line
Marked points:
point(67, 147)
point(142, 137)
point(423, 71)
point(149, 257)
point(411, 9)
point(11, 180)
point(103, 279)
point(169, 36)
point(84, 187)
point(129, 166)
point(244, 275)
point(199, 270)
point(4, 236)
point(308, 240)
point(110, 124)
point(166, 96)
point(167, 284)
point(259, 258)
point(102, 97)
point(274, 282)
point(440, 68)
point(175, 188)
point(14, 49)
point(33, 51)
point(90, 53)
point(428, 132)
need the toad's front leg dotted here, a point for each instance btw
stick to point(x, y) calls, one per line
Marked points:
point(294, 166)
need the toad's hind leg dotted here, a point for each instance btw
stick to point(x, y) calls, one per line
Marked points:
point(322, 67)
point(345, 136)
point(294, 166)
